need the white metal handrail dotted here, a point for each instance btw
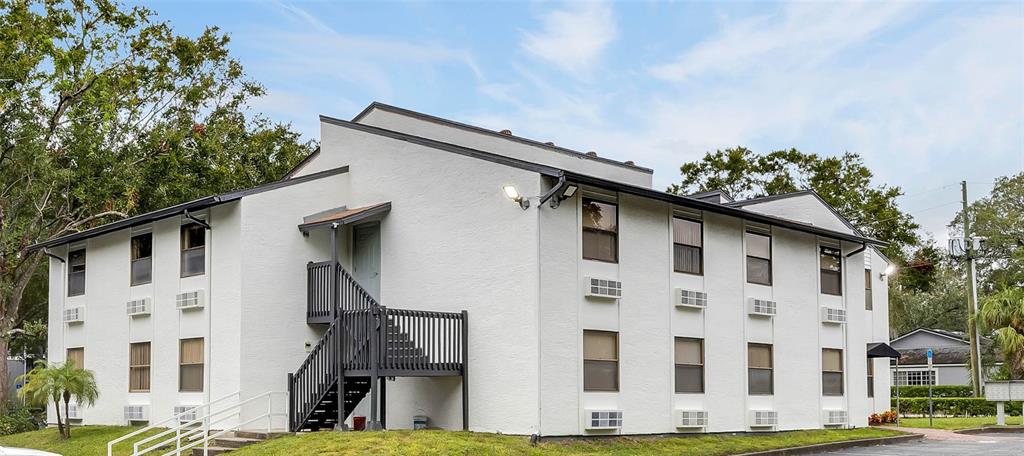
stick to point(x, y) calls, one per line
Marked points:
point(175, 418)
point(208, 421)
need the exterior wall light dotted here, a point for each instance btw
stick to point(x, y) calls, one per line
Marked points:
point(889, 271)
point(512, 193)
point(568, 191)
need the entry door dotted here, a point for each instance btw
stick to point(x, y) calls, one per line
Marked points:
point(366, 257)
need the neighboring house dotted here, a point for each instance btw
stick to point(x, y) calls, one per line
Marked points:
point(951, 357)
point(590, 304)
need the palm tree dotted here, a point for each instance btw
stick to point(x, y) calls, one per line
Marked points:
point(57, 382)
point(1003, 313)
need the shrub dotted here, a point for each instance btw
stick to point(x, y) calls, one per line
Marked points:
point(18, 419)
point(937, 391)
point(886, 417)
point(953, 406)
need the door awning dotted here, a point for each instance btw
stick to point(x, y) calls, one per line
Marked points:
point(343, 216)
point(882, 350)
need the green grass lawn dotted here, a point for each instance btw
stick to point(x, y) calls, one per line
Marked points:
point(957, 423)
point(471, 443)
point(86, 440)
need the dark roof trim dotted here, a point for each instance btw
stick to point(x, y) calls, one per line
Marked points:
point(371, 211)
point(720, 209)
point(603, 183)
point(434, 144)
point(476, 129)
point(929, 331)
point(200, 203)
point(719, 193)
point(302, 164)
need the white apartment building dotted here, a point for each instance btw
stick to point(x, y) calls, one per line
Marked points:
point(423, 268)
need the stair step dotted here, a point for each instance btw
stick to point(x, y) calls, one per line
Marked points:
point(198, 451)
point(234, 442)
point(260, 435)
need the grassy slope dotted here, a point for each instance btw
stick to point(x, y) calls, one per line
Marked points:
point(464, 443)
point(973, 422)
point(87, 440)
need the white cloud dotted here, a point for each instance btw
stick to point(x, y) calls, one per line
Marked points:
point(574, 38)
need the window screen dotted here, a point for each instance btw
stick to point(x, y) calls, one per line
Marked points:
point(138, 367)
point(76, 272)
point(689, 365)
point(191, 365)
point(831, 372)
point(759, 258)
point(688, 246)
point(600, 361)
point(759, 369)
point(193, 249)
point(142, 259)
point(831, 271)
point(600, 231)
point(868, 301)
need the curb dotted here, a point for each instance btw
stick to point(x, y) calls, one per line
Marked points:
point(992, 430)
point(833, 446)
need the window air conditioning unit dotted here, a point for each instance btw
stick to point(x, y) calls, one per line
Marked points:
point(690, 298)
point(834, 417)
point(833, 315)
point(601, 288)
point(764, 418)
point(136, 413)
point(74, 315)
point(190, 300)
point(74, 412)
point(185, 413)
point(691, 418)
point(604, 419)
point(137, 307)
point(762, 307)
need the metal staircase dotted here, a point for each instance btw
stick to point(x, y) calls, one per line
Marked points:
point(363, 344)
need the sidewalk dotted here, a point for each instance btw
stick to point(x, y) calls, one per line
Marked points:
point(942, 434)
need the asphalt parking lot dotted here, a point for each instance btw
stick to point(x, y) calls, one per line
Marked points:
point(982, 444)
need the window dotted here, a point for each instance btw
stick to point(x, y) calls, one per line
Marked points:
point(868, 302)
point(689, 365)
point(688, 248)
point(142, 259)
point(759, 258)
point(76, 273)
point(831, 372)
point(759, 369)
point(871, 377)
point(190, 372)
point(138, 367)
point(914, 378)
point(77, 356)
point(193, 249)
point(600, 361)
point(831, 271)
point(600, 231)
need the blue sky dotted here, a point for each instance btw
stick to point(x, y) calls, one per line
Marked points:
point(928, 93)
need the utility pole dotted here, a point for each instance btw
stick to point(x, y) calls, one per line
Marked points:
point(972, 297)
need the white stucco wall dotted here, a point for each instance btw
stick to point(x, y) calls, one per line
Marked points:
point(805, 208)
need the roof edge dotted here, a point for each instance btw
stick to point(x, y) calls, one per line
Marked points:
point(177, 209)
point(477, 129)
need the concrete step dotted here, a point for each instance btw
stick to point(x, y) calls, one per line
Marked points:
point(260, 435)
point(234, 442)
point(198, 451)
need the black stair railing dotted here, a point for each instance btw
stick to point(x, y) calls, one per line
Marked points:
point(319, 283)
point(418, 341)
point(314, 378)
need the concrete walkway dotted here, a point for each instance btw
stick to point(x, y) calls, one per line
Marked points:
point(939, 442)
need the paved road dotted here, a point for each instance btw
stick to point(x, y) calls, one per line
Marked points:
point(977, 445)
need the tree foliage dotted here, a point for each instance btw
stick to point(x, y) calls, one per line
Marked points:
point(999, 219)
point(106, 112)
point(842, 181)
point(60, 384)
point(1003, 314)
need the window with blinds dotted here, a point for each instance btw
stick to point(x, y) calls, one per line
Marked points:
point(831, 372)
point(760, 369)
point(138, 367)
point(190, 369)
point(689, 365)
point(600, 361)
point(688, 246)
point(759, 258)
point(77, 356)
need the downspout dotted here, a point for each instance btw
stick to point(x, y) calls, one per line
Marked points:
point(554, 189)
point(209, 308)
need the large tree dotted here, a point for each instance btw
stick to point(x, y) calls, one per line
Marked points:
point(105, 112)
point(843, 181)
point(999, 219)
